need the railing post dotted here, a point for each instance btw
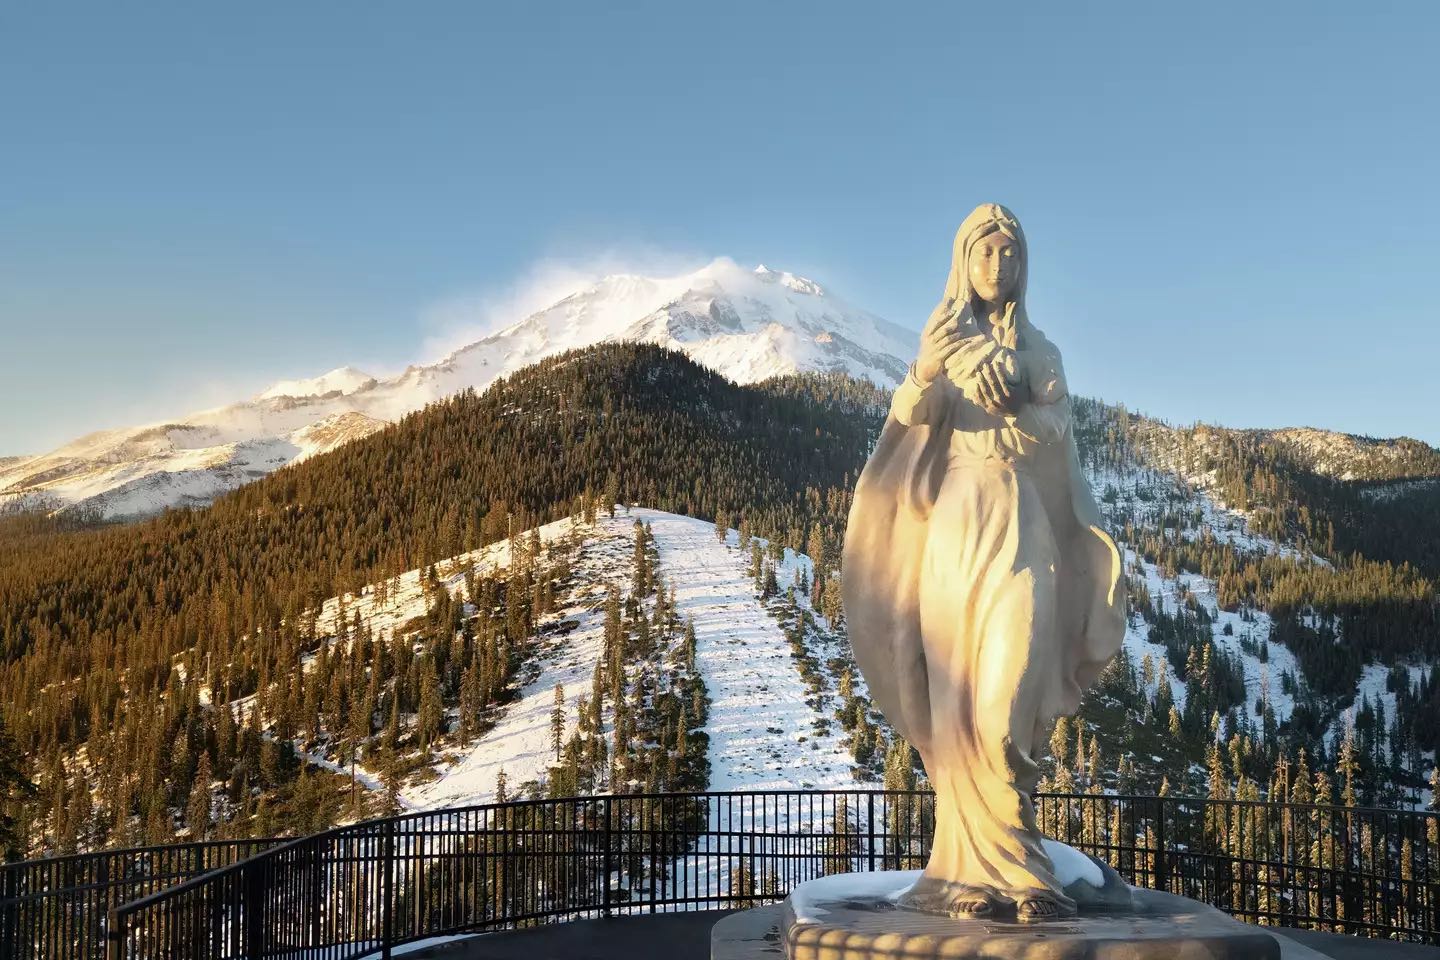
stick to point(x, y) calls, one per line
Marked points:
point(114, 940)
point(254, 911)
point(607, 836)
point(106, 894)
point(316, 883)
point(9, 910)
point(1162, 880)
point(870, 833)
point(387, 893)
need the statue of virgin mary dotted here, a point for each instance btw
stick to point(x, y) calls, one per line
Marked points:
point(981, 594)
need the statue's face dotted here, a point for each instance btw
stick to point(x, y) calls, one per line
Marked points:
point(994, 267)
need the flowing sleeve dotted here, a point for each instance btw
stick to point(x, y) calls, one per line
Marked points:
point(914, 402)
point(1046, 417)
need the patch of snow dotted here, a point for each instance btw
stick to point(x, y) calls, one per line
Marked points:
point(341, 379)
point(520, 742)
point(755, 687)
point(811, 899)
point(1144, 494)
point(1072, 866)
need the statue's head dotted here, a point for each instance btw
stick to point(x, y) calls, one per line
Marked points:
point(989, 258)
point(993, 266)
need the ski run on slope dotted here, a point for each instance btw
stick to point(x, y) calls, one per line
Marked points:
point(761, 727)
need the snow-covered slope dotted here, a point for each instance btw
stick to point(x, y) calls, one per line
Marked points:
point(1349, 457)
point(1152, 489)
point(746, 324)
point(754, 682)
point(761, 726)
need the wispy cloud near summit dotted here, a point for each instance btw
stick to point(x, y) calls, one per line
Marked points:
point(459, 320)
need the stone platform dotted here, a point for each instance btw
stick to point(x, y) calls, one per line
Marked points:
point(747, 934)
point(855, 917)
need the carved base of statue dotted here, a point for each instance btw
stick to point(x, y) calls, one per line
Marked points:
point(901, 914)
point(1087, 884)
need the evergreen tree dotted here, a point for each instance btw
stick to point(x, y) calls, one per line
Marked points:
point(557, 721)
point(15, 790)
point(390, 761)
point(1348, 767)
point(197, 810)
point(432, 709)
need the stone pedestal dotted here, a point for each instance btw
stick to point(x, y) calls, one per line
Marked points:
point(856, 917)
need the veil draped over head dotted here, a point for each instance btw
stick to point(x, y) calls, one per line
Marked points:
point(888, 524)
point(984, 220)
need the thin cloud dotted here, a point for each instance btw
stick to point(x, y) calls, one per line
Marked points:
point(460, 320)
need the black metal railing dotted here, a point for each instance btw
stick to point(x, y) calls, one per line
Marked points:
point(56, 906)
point(362, 889)
point(1354, 870)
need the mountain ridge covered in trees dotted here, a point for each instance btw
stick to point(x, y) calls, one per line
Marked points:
point(98, 623)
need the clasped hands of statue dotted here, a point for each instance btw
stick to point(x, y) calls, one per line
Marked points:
point(991, 379)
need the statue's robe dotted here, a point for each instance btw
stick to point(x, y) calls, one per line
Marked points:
point(982, 597)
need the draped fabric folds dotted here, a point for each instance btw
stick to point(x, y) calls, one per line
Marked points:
point(981, 594)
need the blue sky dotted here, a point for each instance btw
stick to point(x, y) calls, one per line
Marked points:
point(1232, 208)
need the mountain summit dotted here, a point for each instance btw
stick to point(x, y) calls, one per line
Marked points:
point(746, 324)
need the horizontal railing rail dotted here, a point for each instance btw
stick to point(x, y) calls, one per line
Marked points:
point(365, 888)
point(57, 906)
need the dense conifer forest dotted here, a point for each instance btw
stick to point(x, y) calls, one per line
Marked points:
point(109, 633)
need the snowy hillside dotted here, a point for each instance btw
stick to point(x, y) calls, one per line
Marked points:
point(761, 728)
point(1151, 497)
point(1348, 457)
point(773, 706)
point(746, 324)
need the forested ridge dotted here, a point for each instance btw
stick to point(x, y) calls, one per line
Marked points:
point(95, 620)
point(99, 622)
point(1378, 515)
point(634, 421)
point(1328, 602)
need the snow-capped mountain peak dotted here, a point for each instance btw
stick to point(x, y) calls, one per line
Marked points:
point(746, 324)
point(796, 283)
point(341, 379)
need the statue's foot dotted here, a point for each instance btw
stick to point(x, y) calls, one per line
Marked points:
point(1037, 907)
point(966, 902)
point(958, 900)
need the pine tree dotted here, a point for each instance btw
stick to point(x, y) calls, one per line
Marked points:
point(197, 810)
point(690, 644)
point(614, 625)
point(1348, 767)
point(839, 843)
point(557, 721)
point(597, 698)
point(15, 790)
point(1060, 742)
point(390, 760)
point(682, 732)
point(471, 701)
point(641, 562)
point(432, 709)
